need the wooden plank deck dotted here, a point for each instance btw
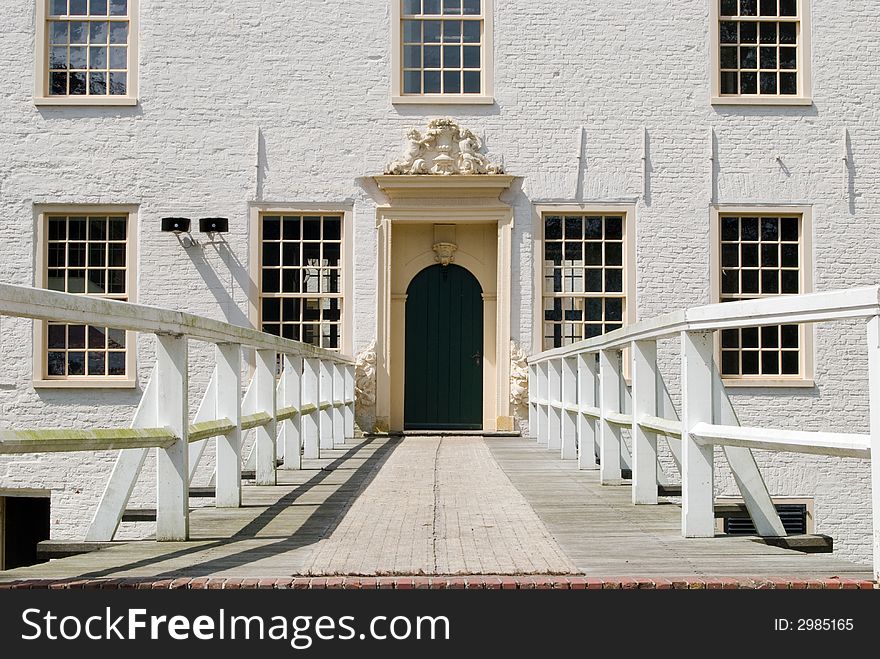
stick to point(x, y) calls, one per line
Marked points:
point(605, 535)
point(276, 532)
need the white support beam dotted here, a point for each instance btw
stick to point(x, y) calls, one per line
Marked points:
point(348, 413)
point(533, 398)
point(588, 377)
point(264, 435)
point(744, 468)
point(543, 408)
point(838, 444)
point(125, 472)
point(309, 410)
point(554, 397)
point(338, 404)
point(290, 436)
point(874, 406)
point(610, 439)
point(697, 468)
point(325, 404)
point(570, 413)
point(666, 410)
point(207, 412)
point(172, 411)
point(644, 402)
point(228, 470)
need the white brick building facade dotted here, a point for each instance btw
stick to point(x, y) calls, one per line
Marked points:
point(315, 79)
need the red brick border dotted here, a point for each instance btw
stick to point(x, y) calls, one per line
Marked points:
point(477, 582)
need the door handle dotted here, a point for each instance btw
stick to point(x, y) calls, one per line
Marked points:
point(477, 357)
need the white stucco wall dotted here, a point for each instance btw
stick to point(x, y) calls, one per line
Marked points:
point(315, 78)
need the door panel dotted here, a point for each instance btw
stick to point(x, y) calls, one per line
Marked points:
point(444, 341)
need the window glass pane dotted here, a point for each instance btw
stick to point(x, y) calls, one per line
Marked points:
point(471, 7)
point(78, 32)
point(471, 31)
point(471, 82)
point(58, 7)
point(79, 7)
point(119, 32)
point(118, 84)
point(118, 7)
point(98, 7)
point(431, 6)
point(471, 57)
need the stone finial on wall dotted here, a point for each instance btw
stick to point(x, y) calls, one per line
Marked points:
point(519, 383)
point(446, 148)
point(365, 388)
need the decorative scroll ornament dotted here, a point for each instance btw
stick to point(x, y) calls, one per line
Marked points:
point(446, 148)
point(444, 253)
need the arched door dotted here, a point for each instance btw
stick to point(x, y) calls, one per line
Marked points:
point(443, 387)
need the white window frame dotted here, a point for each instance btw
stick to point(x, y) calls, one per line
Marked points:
point(807, 345)
point(487, 69)
point(805, 87)
point(40, 367)
point(255, 240)
point(41, 73)
point(628, 210)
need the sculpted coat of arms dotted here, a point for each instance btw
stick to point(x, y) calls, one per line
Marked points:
point(445, 148)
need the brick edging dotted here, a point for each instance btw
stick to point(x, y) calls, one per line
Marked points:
point(447, 583)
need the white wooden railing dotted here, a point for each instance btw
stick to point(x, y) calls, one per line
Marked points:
point(309, 408)
point(578, 406)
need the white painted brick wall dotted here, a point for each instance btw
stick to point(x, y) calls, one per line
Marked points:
point(315, 77)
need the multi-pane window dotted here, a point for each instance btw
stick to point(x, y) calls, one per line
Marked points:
point(760, 257)
point(442, 46)
point(584, 276)
point(86, 255)
point(88, 47)
point(759, 41)
point(301, 294)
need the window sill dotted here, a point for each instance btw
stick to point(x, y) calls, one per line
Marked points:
point(757, 100)
point(96, 383)
point(91, 101)
point(769, 382)
point(439, 99)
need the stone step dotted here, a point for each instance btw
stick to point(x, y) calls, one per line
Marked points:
point(51, 549)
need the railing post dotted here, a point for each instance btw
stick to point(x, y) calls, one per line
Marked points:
point(349, 401)
point(228, 481)
point(554, 400)
point(533, 401)
point(543, 404)
point(310, 401)
point(874, 405)
point(325, 404)
point(697, 467)
point(609, 402)
point(290, 397)
point(570, 405)
point(265, 402)
point(644, 402)
point(586, 430)
point(172, 463)
point(338, 402)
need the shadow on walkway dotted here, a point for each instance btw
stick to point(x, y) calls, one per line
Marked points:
point(313, 529)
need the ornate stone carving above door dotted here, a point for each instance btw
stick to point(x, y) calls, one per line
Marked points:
point(446, 148)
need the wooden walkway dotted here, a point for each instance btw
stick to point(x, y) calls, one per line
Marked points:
point(277, 531)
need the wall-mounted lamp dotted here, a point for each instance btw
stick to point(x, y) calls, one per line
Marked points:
point(214, 224)
point(176, 225)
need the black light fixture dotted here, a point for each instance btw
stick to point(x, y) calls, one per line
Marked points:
point(176, 225)
point(214, 224)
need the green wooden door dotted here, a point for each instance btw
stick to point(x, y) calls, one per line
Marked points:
point(444, 350)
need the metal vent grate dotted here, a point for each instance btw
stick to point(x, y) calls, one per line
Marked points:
point(793, 516)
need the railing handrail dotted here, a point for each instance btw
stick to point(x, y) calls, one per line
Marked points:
point(776, 310)
point(42, 304)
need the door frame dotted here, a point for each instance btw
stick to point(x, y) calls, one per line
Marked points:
point(463, 201)
point(441, 271)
